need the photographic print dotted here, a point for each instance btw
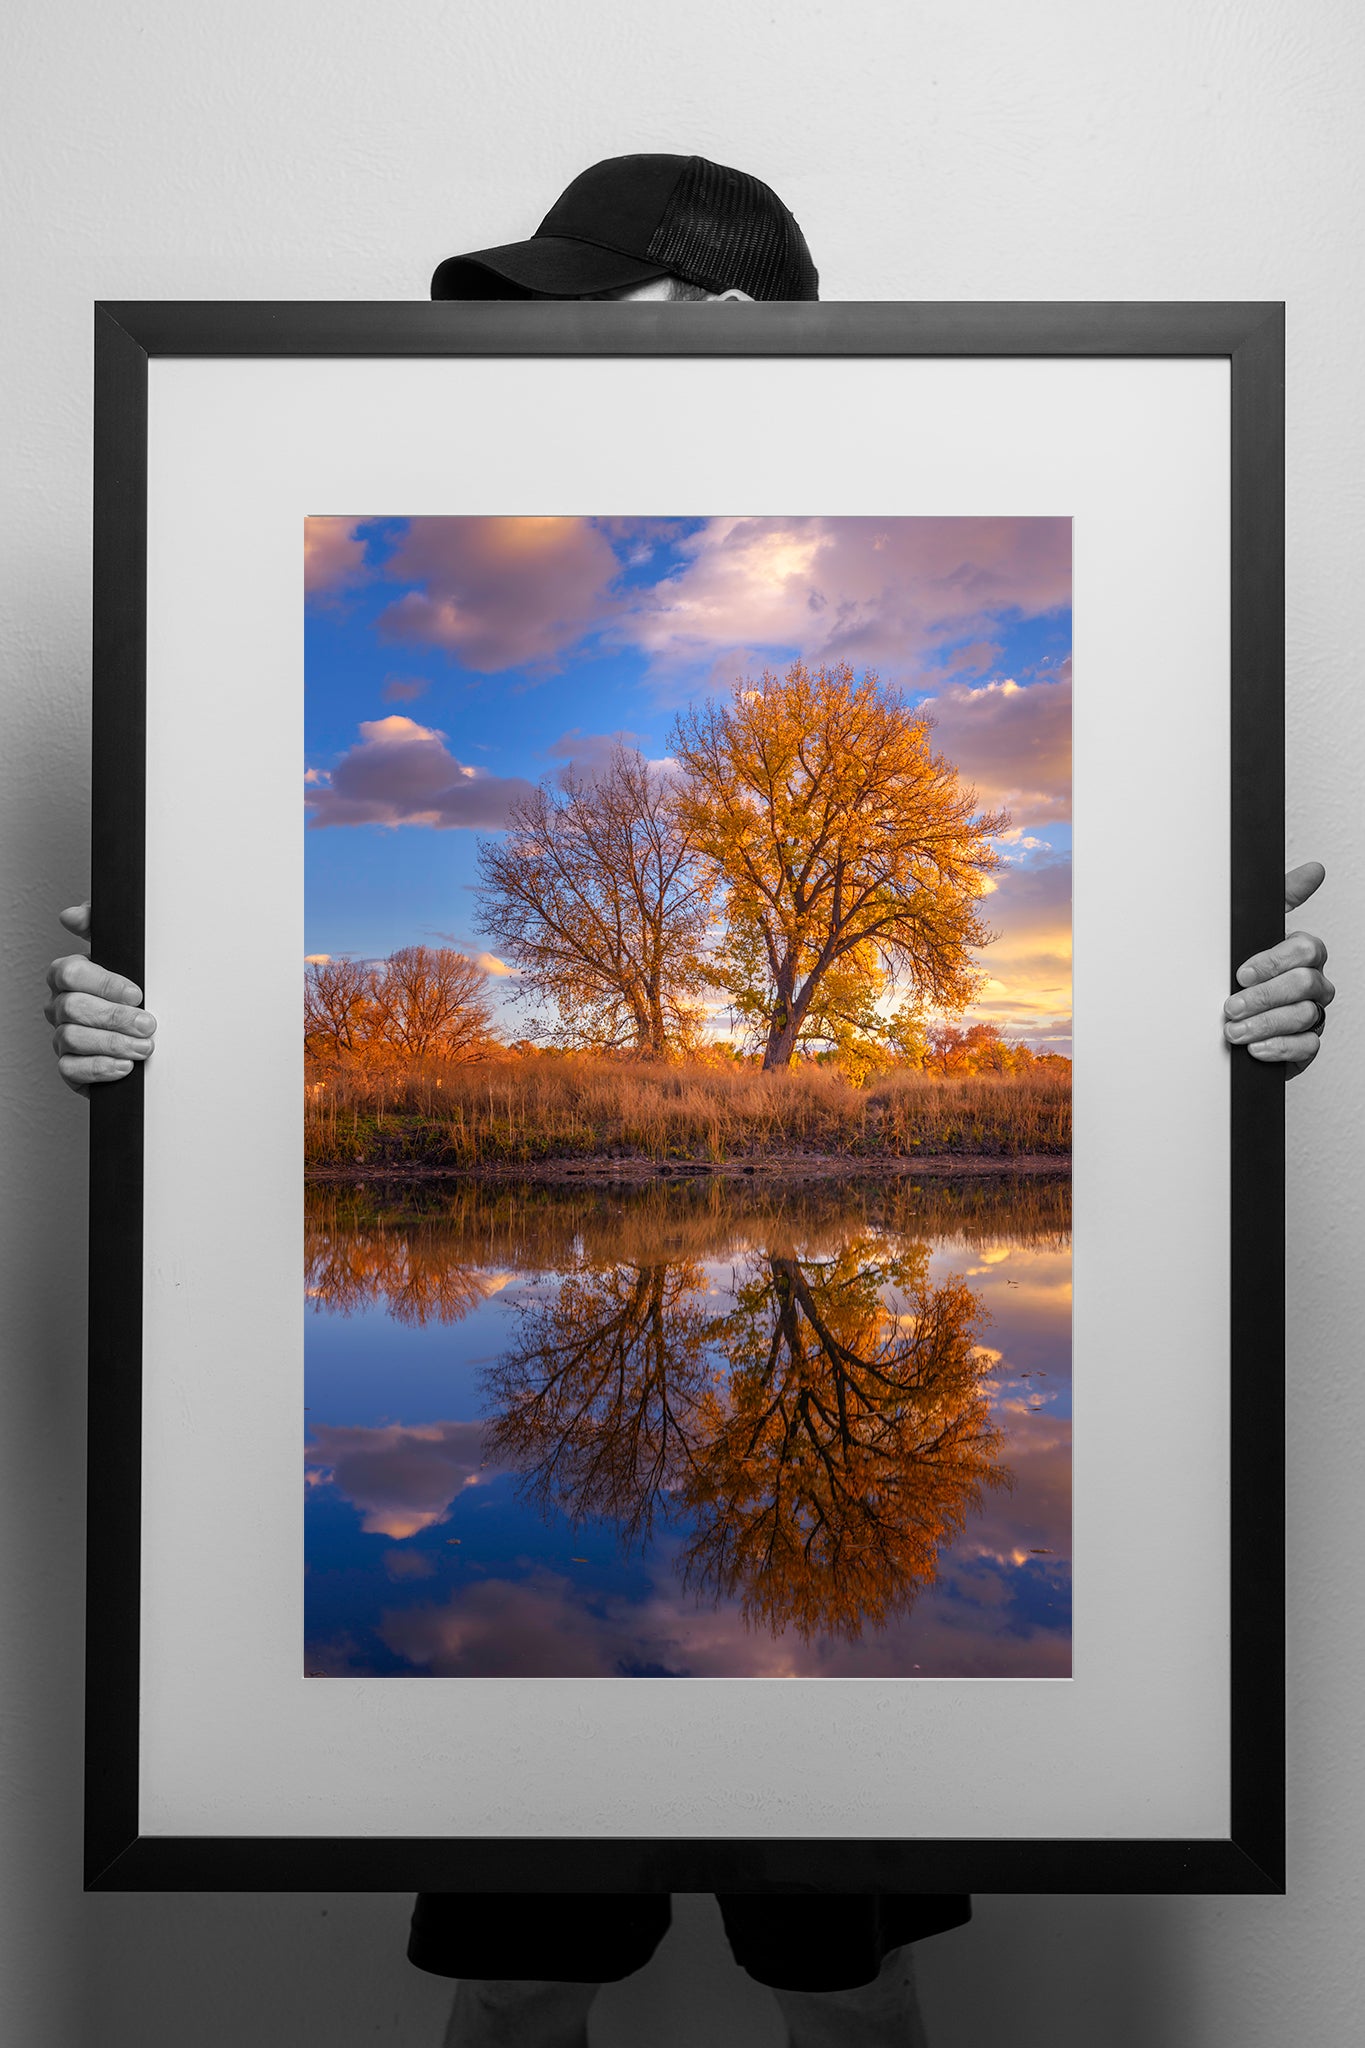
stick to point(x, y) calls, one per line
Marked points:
point(687, 1097)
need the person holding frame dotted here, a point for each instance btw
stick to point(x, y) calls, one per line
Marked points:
point(667, 228)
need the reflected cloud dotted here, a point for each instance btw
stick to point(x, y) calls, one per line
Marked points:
point(513, 1628)
point(401, 1478)
point(409, 1564)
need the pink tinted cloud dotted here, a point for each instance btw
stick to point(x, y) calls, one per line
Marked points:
point(551, 1624)
point(332, 556)
point(874, 593)
point(404, 689)
point(544, 1626)
point(974, 659)
point(500, 593)
point(1011, 742)
point(504, 1628)
point(401, 1479)
point(402, 773)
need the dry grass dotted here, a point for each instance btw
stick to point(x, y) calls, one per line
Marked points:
point(520, 1111)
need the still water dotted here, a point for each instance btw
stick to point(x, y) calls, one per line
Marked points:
point(715, 1428)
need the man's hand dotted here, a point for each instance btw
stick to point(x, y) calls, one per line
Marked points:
point(1282, 1007)
point(100, 1033)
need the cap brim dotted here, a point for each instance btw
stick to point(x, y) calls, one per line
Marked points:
point(546, 267)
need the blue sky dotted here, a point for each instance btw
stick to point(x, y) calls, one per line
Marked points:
point(451, 663)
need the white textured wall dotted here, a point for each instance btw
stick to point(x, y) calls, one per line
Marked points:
point(987, 148)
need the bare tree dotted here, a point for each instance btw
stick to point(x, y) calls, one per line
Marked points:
point(430, 1003)
point(336, 999)
point(596, 896)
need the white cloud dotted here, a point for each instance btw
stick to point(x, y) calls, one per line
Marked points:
point(847, 589)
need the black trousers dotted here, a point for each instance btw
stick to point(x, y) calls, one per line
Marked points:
point(794, 1941)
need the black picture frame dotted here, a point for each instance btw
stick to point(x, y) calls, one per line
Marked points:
point(1250, 337)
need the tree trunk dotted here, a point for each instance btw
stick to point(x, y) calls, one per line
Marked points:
point(651, 1036)
point(782, 1030)
point(784, 1025)
point(658, 1030)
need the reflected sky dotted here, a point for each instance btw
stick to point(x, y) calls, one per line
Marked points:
point(681, 1429)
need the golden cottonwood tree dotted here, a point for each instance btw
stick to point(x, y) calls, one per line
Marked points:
point(596, 897)
point(850, 854)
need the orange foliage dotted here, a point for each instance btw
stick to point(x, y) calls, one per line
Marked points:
point(983, 1049)
point(847, 851)
point(422, 1004)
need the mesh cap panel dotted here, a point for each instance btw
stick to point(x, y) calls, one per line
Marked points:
point(725, 230)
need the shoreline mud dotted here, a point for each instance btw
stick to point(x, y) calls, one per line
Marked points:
point(775, 1166)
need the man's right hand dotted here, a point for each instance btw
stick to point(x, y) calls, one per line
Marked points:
point(100, 1033)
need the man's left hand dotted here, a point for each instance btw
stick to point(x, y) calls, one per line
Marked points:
point(1281, 1008)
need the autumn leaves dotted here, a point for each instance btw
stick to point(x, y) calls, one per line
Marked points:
point(848, 855)
point(802, 852)
point(423, 1003)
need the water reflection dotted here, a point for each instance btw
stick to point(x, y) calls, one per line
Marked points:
point(818, 1442)
point(772, 1401)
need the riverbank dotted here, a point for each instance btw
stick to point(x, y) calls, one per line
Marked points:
point(564, 1114)
point(933, 1166)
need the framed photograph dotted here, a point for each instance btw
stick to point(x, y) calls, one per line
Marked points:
point(646, 1332)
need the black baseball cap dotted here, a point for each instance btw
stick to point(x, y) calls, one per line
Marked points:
point(633, 218)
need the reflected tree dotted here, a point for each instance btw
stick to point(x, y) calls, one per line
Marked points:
point(410, 1271)
point(851, 1440)
point(819, 1444)
point(600, 1402)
